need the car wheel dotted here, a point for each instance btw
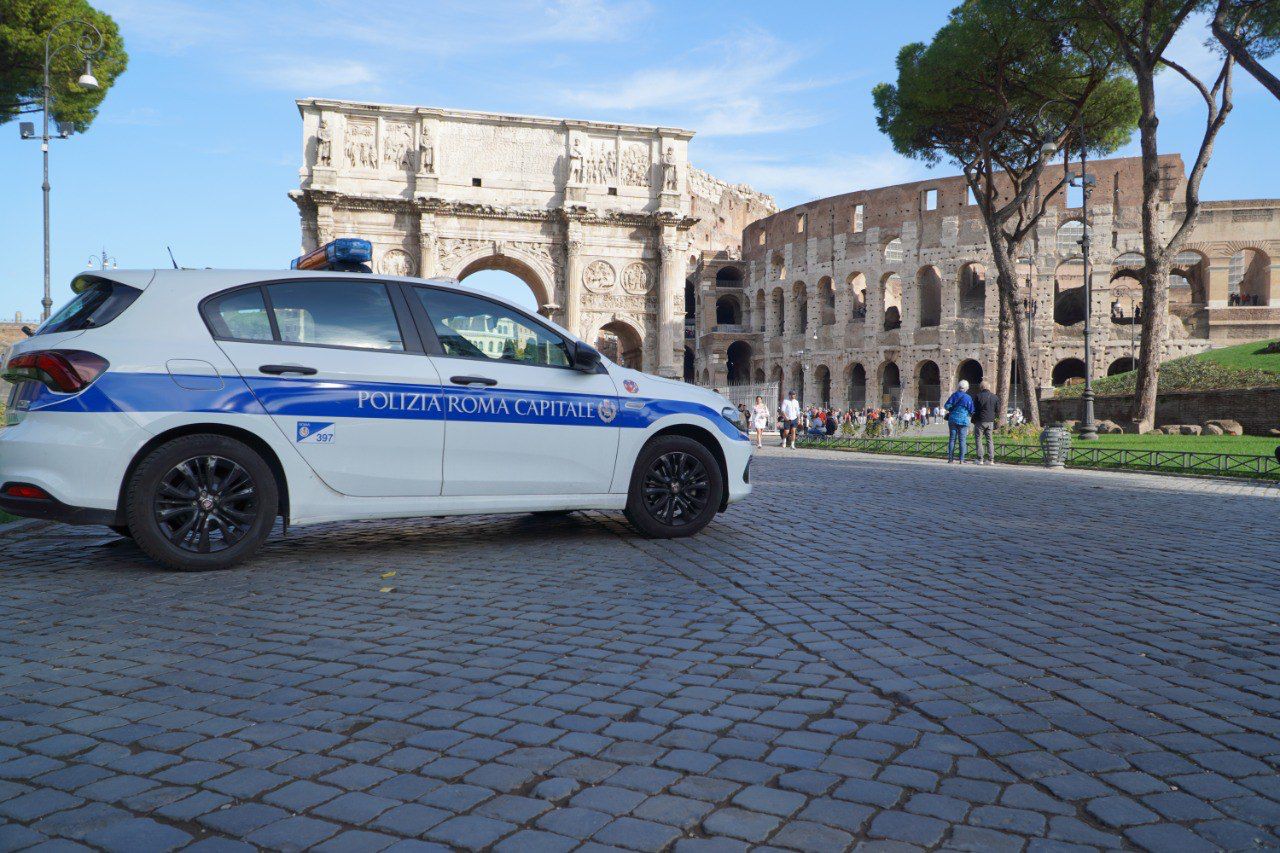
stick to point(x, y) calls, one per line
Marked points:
point(676, 487)
point(202, 502)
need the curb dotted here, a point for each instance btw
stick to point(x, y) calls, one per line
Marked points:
point(20, 525)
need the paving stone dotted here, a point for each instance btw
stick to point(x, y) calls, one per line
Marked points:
point(293, 833)
point(240, 820)
point(635, 834)
point(682, 812)
point(909, 828)
point(740, 823)
point(470, 832)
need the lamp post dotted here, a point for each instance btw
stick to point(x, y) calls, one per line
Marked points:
point(1029, 309)
point(1086, 182)
point(102, 261)
point(87, 45)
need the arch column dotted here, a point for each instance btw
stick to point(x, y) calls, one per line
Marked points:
point(670, 282)
point(1217, 284)
point(573, 280)
point(428, 260)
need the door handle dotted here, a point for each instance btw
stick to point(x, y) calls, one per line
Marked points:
point(472, 380)
point(281, 369)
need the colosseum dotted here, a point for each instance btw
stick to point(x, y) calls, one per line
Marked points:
point(887, 296)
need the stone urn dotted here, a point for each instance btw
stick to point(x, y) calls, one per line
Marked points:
point(1055, 441)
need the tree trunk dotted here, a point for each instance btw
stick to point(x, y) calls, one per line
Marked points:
point(1006, 280)
point(1155, 272)
point(1004, 352)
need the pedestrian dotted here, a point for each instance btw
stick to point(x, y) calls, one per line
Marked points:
point(986, 407)
point(789, 418)
point(832, 423)
point(759, 420)
point(959, 408)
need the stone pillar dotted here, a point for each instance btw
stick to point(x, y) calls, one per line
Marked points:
point(1216, 287)
point(428, 261)
point(324, 224)
point(573, 280)
point(1274, 295)
point(670, 282)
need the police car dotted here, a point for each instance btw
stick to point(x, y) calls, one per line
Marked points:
point(191, 408)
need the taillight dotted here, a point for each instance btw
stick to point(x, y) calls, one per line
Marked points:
point(26, 490)
point(65, 370)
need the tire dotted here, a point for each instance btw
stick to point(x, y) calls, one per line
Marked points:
point(676, 488)
point(120, 530)
point(202, 502)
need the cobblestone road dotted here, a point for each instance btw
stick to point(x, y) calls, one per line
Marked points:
point(870, 652)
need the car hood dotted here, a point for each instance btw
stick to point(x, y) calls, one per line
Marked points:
point(648, 385)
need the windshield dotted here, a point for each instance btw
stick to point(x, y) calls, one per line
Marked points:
point(98, 304)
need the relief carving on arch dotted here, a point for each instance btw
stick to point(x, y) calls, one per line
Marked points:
point(636, 278)
point(396, 262)
point(453, 249)
point(361, 144)
point(599, 276)
point(635, 165)
point(397, 147)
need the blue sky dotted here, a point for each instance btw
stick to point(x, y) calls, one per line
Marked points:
point(198, 143)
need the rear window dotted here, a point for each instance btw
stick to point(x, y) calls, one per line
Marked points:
point(100, 302)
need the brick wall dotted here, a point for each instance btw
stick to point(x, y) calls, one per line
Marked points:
point(1257, 409)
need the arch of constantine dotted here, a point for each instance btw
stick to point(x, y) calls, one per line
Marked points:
point(876, 297)
point(599, 220)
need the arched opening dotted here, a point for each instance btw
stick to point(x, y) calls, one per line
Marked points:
point(890, 386)
point(780, 383)
point(972, 291)
point(1249, 278)
point(797, 383)
point(778, 266)
point(779, 311)
point(857, 284)
point(892, 302)
point(758, 320)
point(827, 300)
point(759, 375)
point(728, 311)
point(893, 251)
point(688, 365)
point(1122, 365)
point(621, 343)
point(822, 384)
point(929, 294)
point(1126, 297)
point(928, 385)
point(729, 277)
point(1069, 371)
point(1070, 235)
point(1187, 279)
point(857, 387)
point(800, 299)
point(510, 279)
point(738, 362)
point(1068, 293)
point(690, 300)
point(970, 371)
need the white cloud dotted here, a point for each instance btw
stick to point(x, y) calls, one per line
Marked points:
point(306, 75)
point(794, 181)
point(713, 89)
point(1190, 50)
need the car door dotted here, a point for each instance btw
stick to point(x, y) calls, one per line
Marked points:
point(519, 419)
point(342, 374)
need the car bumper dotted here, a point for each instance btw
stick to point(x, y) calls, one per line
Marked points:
point(737, 458)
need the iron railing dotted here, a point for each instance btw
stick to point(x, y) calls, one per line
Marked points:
point(1079, 456)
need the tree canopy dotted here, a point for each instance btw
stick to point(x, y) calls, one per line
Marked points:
point(1250, 31)
point(23, 27)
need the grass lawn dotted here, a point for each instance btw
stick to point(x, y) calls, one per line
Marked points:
point(1241, 366)
point(5, 518)
point(1249, 445)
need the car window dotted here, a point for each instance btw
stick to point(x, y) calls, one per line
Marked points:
point(469, 327)
point(240, 315)
point(340, 313)
point(97, 304)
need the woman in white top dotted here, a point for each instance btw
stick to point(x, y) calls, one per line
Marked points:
point(759, 420)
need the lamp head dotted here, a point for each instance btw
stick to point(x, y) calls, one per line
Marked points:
point(1049, 150)
point(27, 129)
point(87, 80)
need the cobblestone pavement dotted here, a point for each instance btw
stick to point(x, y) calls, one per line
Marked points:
point(870, 652)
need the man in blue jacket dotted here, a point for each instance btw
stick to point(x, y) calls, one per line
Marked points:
point(959, 408)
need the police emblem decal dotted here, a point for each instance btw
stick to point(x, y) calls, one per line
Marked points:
point(631, 386)
point(315, 432)
point(608, 410)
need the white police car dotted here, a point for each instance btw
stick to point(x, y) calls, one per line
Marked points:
point(190, 408)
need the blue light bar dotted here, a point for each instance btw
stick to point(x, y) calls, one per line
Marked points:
point(345, 254)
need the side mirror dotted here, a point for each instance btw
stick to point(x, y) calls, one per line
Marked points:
point(585, 358)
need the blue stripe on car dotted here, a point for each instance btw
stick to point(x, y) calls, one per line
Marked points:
point(159, 392)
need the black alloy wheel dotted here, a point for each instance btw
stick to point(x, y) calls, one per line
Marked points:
point(676, 488)
point(205, 504)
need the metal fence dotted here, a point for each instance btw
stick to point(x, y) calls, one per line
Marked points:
point(1079, 456)
point(747, 392)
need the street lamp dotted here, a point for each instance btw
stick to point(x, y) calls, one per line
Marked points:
point(102, 261)
point(1086, 182)
point(87, 45)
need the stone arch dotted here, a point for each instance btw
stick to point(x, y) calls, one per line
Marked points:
point(797, 382)
point(890, 386)
point(737, 359)
point(826, 301)
point(1124, 364)
point(728, 311)
point(1069, 371)
point(778, 266)
point(893, 251)
point(758, 323)
point(891, 286)
point(538, 280)
point(1069, 236)
point(971, 291)
point(856, 382)
point(1125, 294)
point(1192, 267)
point(929, 296)
point(621, 342)
point(928, 384)
point(1068, 292)
point(690, 300)
point(857, 284)
point(971, 372)
point(728, 277)
point(689, 362)
point(779, 311)
point(1249, 277)
point(759, 376)
point(779, 380)
point(800, 305)
point(822, 385)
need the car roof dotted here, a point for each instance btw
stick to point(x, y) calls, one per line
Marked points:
point(204, 282)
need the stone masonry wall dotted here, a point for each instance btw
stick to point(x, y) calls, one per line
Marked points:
point(1257, 409)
